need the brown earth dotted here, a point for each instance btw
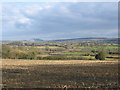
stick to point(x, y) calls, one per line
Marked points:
point(59, 73)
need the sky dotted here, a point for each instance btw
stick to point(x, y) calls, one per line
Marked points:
point(59, 20)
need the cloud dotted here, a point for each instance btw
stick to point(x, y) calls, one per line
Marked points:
point(59, 20)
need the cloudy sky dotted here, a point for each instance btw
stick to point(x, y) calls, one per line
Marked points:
point(59, 20)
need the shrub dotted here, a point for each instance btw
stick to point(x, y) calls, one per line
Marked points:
point(22, 55)
point(101, 55)
point(6, 51)
point(31, 55)
point(56, 57)
point(61, 57)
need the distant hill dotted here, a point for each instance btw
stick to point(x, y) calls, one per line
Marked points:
point(89, 38)
point(111, 40)
point(37, 39)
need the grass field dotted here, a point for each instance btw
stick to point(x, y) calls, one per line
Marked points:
point(70, 53)
point(60, 73)
point(50, 47)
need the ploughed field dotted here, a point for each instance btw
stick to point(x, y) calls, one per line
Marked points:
point(59, 73)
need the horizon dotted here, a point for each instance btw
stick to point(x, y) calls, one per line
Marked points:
point(64, 38)
point(59, 20)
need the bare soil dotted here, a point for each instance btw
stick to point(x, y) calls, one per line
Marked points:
point(59, 73)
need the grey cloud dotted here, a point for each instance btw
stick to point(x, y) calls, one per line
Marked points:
point(67, 18)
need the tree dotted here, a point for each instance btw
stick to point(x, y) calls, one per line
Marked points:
point(101, 55)
point(6, 51)
point(31, 55)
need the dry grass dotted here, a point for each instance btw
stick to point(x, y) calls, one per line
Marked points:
point(55, 62)
point(60, 73)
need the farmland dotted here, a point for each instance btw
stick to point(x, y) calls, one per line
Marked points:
point(58, 50)
point(53, 64)
point(57, 74)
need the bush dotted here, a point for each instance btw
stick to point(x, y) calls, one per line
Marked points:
point(55, 57)
point(101, 55)
point(22, 55)
point(61, 57)
point(31, 55)
point(6, 51)
point(10, 53)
